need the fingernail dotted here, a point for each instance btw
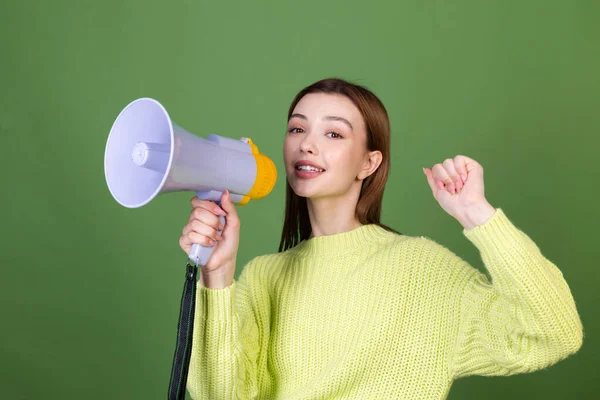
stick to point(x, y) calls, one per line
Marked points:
point(464, 177)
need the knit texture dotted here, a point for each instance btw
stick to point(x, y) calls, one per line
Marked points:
point(370, 314)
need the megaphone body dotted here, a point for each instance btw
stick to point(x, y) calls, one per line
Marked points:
point(148, 154)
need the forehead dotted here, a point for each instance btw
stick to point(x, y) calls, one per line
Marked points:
point(315, 105)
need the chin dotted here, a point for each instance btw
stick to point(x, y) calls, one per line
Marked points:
point(309, 192)
point(302, 190)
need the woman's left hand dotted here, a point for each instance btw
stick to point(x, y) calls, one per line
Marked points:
point(457, 185)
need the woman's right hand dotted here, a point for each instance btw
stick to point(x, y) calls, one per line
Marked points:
point(202, 228)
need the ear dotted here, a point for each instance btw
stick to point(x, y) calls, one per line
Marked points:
point(372, 162)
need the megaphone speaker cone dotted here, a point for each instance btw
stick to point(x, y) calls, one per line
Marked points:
point(139, 152)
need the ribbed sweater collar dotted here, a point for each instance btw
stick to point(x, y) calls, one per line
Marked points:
point(344, 242)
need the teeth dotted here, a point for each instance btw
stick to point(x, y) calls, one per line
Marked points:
point(309, 168)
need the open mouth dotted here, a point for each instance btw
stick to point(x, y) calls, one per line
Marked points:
point(307, 168)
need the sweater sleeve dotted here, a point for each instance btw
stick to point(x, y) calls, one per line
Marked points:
point(225, 346)
point(525, 320)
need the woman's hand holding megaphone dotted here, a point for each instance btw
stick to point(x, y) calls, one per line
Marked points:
point(202, 228)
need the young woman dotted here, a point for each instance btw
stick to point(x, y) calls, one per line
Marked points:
point(351, 309)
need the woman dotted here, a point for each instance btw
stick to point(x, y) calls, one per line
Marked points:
point(350, 308)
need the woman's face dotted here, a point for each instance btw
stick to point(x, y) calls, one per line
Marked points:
point(328, 131)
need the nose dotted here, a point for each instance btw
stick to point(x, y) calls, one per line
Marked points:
point(307, 144)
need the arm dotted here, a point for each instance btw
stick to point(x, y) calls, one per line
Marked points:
point(526, 320)
point(226, 340)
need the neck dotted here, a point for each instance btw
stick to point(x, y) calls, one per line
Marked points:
point(331, 215)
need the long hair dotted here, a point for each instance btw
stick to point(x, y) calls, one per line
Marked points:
point(296, 225)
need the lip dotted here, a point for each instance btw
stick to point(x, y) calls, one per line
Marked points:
point(306, 162)
point(307, 174)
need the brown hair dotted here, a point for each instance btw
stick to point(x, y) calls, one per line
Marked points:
point(296, 225)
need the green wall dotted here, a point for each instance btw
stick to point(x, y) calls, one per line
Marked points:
point(90, 290)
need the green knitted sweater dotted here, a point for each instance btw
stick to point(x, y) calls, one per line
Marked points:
point(370, 314)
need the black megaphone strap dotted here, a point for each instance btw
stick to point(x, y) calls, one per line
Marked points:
point(185, 327)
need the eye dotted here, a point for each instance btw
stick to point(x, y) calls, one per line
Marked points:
point(338, 136)
point(291, 130)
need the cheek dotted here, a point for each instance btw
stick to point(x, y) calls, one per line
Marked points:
point(287, 154)
point(339, 156)
point(338, 164)
point(344, 162)
point(286, 149)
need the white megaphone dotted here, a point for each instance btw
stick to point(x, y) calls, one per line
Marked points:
point(147, 154)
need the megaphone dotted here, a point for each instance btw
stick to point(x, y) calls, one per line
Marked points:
point(148, 154)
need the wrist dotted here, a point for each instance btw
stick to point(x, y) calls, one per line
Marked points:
point(477, 215)
point(220, 278)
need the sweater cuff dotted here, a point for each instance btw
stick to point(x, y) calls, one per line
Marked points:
point(215, 304)
point(493, 234)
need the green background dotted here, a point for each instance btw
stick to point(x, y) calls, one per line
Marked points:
point(90, 290)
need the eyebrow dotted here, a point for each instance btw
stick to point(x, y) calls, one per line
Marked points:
point(327, 118)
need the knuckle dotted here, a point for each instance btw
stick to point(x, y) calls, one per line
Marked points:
point(197, 225)
point(196, 237)
point(199, 238)
point(198, 212)
point(183, 242)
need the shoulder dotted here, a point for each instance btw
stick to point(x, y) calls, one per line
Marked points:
point(415, 245)
point(433, 257)
point(272, 259)
point(264, 264)
point(427, 246)
point(424, 246)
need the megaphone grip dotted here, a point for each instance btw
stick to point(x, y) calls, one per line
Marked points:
point(201, 254)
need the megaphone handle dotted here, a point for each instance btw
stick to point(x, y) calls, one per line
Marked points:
point(199, 253)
